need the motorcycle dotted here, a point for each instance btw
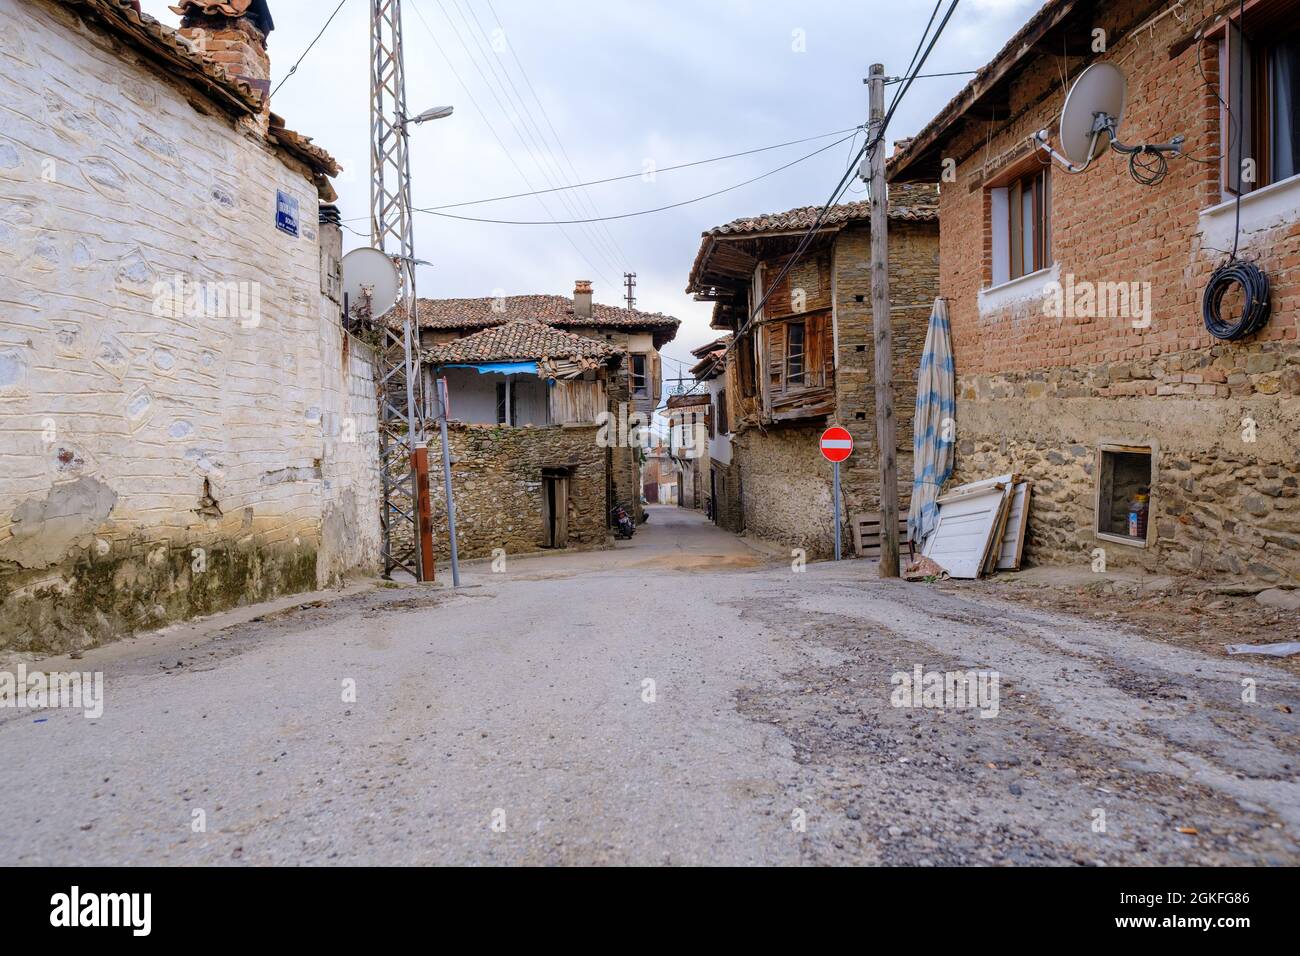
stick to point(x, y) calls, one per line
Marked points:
point(623, 524)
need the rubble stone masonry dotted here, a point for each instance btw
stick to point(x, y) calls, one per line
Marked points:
point(156, 464)
point(1039, 393)
point(497, 474)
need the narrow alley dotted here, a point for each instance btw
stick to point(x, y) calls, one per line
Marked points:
point(682, 699)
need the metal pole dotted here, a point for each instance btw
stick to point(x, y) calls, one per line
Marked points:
point(836, 493)
point(886, 435)
point(446, 482)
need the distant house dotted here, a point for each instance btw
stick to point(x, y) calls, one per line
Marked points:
point(597, 365)
point(806, 359)
point(1082, 354)
point(690, 423)
point(721, 475)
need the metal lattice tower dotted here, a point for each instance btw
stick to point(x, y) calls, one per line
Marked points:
point(401, 422)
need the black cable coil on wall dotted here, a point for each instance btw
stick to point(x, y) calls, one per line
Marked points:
point(1255, 305)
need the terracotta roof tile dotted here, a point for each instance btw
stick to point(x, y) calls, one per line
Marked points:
point(520, 340)
point(551, 309)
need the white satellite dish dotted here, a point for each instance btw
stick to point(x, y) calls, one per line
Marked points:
point(1094, 108)
point(1100, 90)
point(371, 269)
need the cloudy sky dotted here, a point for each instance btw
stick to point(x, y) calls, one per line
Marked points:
point(550, 94)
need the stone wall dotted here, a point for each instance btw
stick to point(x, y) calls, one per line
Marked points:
point(787, 486)
point(913, 286)
point(1039, 390)
point(497, 482)
point(160, 462)
point(728, 508)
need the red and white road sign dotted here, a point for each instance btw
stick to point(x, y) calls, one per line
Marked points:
point(837, 444)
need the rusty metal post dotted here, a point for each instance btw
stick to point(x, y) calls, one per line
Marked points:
point(420, 464)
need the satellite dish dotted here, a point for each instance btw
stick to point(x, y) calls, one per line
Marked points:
point(1094, 108)
point(373, 270)
point(1100, 89)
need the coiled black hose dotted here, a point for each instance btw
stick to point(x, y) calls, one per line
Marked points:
point(1255, 303)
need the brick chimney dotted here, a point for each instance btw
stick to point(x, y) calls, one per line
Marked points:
point(582, 298)
point(233, 33)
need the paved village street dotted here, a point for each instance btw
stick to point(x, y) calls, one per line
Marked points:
point(520, 701)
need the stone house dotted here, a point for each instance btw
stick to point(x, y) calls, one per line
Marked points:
point(184, 424)
point(1083, 358)
point(807, 359)
point(721, 485)
point(525, 401)
point(634, 386)
point(690, 425)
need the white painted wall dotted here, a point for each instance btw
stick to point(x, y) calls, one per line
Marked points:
point(111, 186)
point(719, 444)
point(474, 397)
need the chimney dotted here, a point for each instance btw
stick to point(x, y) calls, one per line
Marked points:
point(902, 144)
point(232, 33)
point(582, 298)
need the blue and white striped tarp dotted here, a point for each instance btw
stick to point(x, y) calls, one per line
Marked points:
point(934, 425)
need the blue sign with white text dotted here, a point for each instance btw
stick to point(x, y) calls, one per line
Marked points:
point(286, 213)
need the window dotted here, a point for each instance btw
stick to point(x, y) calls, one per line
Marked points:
point(1021, 224)
point(640, 383)
point(722, 412)
point(1261, 73)
point(1124, 478)
point(794, 353)
point(506, 403)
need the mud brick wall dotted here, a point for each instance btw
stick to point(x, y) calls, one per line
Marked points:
point(787, 486)
point(1038, 393)
point(155, 466)
point(729, 513)
point(497, 482)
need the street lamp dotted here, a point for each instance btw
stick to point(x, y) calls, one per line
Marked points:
point(437, 113)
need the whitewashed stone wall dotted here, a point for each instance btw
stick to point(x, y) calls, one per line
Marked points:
point(154, 465)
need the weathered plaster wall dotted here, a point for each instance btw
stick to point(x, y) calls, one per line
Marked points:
point(787, 486)
point(497, 482)
point(1038, 393)
point(157, 465)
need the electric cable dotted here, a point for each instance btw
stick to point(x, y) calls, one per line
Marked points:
point(294, 69)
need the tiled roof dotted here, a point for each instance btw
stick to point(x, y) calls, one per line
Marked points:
point(521, 340)
point(142, 31)
point(166, 46)
point(552, 309)
point(689, 400)
point(907, 202)
point(904, 203)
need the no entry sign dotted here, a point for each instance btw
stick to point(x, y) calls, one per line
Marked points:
point(837, 444)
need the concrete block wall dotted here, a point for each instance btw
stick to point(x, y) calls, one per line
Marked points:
point(157, 463)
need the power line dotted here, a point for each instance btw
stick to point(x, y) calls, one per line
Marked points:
point(497, 136)
point(294, 69)
point(640, 212)
point(550, 125)
point(840, 187)
point(927, 76)
point(531, 142)
point(638, 175)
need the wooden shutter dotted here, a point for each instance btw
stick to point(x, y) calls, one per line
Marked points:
point(776, 358)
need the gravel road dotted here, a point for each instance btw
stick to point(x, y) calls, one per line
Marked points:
point(513, 722)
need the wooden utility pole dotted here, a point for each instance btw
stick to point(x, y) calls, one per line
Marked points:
point(886, 436)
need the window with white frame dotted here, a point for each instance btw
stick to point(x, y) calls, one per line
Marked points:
point(1020, 222)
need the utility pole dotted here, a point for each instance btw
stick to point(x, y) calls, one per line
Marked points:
point(406, 539)
point(629, 282)
point(886, 434)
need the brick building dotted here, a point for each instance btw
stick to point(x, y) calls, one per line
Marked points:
point(1081, 352)
point(184, 424)
point(807, 360)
